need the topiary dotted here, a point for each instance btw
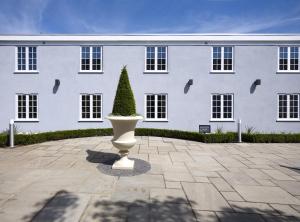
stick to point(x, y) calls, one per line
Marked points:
point(124, 103)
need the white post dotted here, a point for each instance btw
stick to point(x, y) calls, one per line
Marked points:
point(239, 131)
point(11, 133)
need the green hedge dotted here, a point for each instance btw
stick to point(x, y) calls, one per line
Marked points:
point(230, 137)
point(271, 138)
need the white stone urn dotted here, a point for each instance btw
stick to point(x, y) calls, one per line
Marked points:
point(123, 128)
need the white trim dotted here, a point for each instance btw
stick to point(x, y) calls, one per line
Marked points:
point(155, 37)
point(155, 119)
point(91, 119)
point(27, 119)
point(156, 71)
point(288, 70)
point(27, 71)
point(91, 70)
point(222, 119)
point(222, 70)
point(288, 119)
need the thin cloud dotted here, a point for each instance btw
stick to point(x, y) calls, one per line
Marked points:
point(25, 21)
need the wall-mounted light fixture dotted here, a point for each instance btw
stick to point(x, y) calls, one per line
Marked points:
point(257, 82)
point(56, 85)
point(187, 86)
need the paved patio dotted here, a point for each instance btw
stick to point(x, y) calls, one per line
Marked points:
point(188, 181)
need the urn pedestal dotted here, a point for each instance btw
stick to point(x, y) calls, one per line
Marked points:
point(123, 128)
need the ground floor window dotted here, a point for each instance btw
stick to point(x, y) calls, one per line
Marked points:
point(156, 107)
point(288, 106)
point(26, 107)
point(91, 107)
point(222, 107)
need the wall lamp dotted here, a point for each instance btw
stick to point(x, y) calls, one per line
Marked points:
point(56, 85)
point(257, 82)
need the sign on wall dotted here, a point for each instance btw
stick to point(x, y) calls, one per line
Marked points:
point(204, 128)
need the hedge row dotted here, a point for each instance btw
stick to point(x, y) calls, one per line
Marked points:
point(230, 137)
point(271, 138)
point(26, 139)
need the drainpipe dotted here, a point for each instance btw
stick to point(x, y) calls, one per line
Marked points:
point(11, 133)
point(239, 126)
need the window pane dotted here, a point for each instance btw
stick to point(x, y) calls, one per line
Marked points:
point(150, 108)
point(32, 106)
point(161, 58)
point(85, 106)
point(22, 106)
point(96, 58)
point(21, 55)
point(294, 106)
point(32, 58)
point(282, 106)
point(216, 107)
point(227, 106)
point(150, 60)
point(97, 106)
point(294, 58)
point(85, 58)
point(217, 58)
point(283, 58)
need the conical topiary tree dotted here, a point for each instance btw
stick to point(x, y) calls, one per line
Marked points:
point(124, 103)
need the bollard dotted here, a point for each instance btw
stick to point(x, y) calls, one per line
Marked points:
point(11, 133)
point(239, 131)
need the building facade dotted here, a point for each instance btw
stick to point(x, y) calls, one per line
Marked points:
point(61, 82)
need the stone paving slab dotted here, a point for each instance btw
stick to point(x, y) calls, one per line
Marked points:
point(188, 181)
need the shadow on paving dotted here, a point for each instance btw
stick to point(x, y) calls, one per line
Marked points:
point(174, 209)
point(55, 208)
point(101, 157)
point(64, 205)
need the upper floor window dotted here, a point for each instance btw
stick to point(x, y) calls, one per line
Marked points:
point(288, 107)
point(156, 58)
point(222, 107)
point(27, 107)
point(222, 59)
point(156, 107)
point(26, 58)
point(91, 107)
point(91, 58)
point(288, 59)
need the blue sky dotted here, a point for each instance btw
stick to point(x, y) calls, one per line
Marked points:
point(149, 16)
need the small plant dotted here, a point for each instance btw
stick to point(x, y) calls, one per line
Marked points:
point(249, 129)
point(219, 130)
point(6, 131)
point(124, 103)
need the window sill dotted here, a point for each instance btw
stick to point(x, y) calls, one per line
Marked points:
point(27, 120)
point(91, 72)
point(287, 72)
point(26, 72)
point(221, 120)
point(288, 120)
point(156, 72)
point(90, 120)
point(221, 72)
point(156, 120)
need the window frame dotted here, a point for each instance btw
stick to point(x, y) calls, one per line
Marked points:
point(212, 71)
point(91, 119)
point(27, 119)
point(155, 59)
point(288, 59)
point(26, 59)
point(222, 119)
point(288, 119)
point(155, 108)
point(91, 60)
